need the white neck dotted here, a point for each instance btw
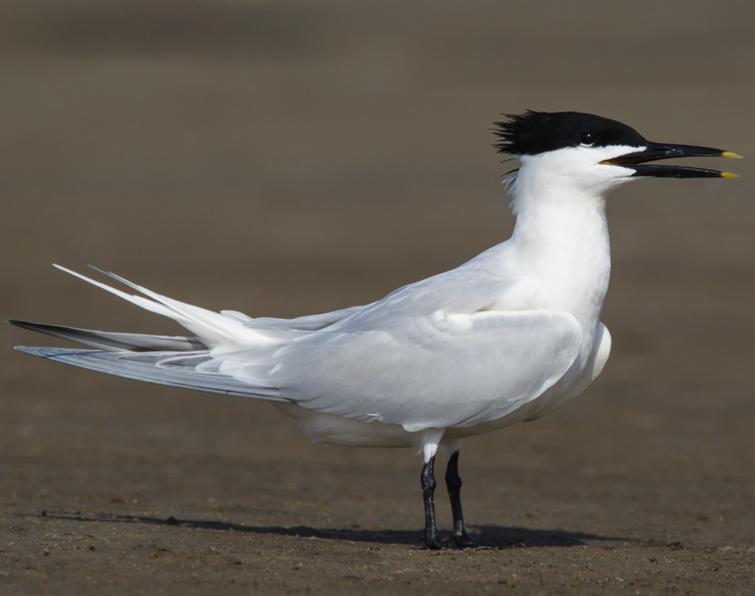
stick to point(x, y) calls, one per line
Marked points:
point(561, 239)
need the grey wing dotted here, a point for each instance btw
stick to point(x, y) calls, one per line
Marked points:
point(432, 372)
point(464, 289)
point(188, 370)
point(305, 323)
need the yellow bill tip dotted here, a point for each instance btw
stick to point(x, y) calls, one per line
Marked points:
point(731, 155)
point(729, 175)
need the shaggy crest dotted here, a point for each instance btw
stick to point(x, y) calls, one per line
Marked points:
point(534, 132)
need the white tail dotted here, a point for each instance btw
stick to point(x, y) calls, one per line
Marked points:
point(213, 329)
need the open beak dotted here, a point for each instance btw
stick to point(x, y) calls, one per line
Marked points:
point(654, 151)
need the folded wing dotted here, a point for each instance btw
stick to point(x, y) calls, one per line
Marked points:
point(437, 371)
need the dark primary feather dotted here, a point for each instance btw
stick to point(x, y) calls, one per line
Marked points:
point(113, 340)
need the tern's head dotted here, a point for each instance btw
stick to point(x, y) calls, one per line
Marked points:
point(577, 150)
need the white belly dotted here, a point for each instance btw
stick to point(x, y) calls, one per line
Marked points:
point(328, 428)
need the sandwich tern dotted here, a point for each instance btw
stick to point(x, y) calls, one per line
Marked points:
point(505, 337)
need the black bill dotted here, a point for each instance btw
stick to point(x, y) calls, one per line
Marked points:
point(657, 151)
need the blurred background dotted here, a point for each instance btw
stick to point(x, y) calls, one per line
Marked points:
point(288, 157)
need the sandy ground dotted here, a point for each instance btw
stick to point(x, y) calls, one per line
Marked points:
point(283, 158)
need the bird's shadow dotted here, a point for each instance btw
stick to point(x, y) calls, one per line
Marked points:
point(489, 536)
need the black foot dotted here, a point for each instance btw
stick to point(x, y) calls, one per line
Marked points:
point(434, 543)
point(462, 542)
point(451, 543)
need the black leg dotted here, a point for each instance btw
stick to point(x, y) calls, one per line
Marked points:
point(427, 478)
point(453, 484)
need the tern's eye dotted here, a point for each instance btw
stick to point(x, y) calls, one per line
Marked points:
point(587, 139)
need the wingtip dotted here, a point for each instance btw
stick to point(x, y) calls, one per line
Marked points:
point(49, 353)
point(33, 350)
point(21, 324)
